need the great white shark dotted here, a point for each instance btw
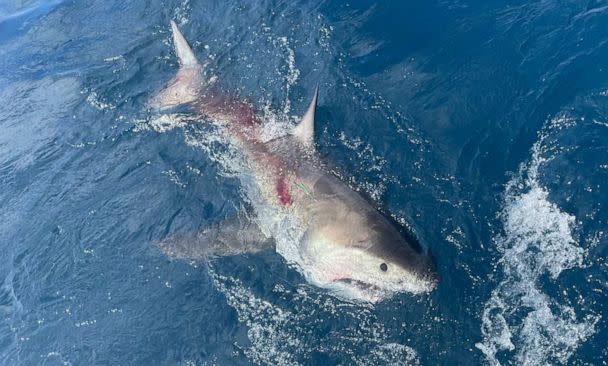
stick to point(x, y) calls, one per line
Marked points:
point(345, 244)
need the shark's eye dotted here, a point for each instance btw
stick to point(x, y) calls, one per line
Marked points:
point(383, 267)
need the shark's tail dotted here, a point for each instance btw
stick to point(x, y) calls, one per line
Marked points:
point(188, 83)
point(189, 86)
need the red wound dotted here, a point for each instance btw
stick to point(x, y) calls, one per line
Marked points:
point(283, 191)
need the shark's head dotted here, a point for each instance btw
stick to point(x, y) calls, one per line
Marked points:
point(359, 254)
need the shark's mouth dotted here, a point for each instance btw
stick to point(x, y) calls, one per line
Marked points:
point(373, 290)
point(359, 291)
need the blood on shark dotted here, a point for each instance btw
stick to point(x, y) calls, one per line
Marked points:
point(347, 246)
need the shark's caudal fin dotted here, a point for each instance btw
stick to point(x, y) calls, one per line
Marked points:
point(188, 84)
point(182, 48)
point(305, 130)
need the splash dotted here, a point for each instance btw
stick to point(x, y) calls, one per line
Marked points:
point(279, 336)
point(292, 74)
point(95, 101)
point(372, 163)
point(163, 122)
point(520, 320)
point(181, 13)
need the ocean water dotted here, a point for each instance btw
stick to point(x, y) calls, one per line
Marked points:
point(480, 125)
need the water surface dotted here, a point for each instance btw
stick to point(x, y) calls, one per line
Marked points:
point(483, 126)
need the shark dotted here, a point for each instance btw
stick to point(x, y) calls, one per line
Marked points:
point(341, 241)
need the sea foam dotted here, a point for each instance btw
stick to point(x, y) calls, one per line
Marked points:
point(522, 323)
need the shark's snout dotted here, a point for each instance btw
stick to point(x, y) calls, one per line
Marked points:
point(426, 270)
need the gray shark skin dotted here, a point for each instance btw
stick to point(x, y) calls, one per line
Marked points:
point(346, 245)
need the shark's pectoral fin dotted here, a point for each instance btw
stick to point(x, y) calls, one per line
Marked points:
point(234, 236)
point(188, 83)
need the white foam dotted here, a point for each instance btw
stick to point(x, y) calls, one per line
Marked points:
point(94, 100)
point(217, 145)
point(114, 59)
point(372, 163)
point(181, 13)
point(293, 73)
point(275, 124)
point(163, 122)
point(521, 322)
point(268, 326)
point(174, 177)
point(391, 354)
point(279, 336)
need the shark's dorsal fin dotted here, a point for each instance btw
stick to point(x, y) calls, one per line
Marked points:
point(305, 130)
point(182, 48)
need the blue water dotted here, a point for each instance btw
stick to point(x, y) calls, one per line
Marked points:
point(481, 125)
